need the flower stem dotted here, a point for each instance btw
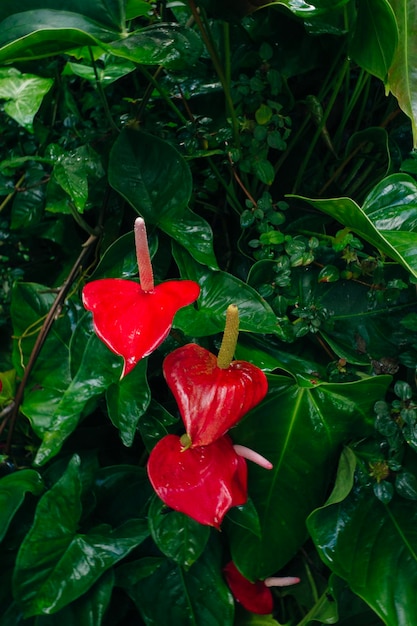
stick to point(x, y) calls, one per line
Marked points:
point(143, 256)
point(230, 335)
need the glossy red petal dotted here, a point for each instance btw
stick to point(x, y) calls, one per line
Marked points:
point(255, 597)
point(211, 400)
point(203, 482)
point(133, 322)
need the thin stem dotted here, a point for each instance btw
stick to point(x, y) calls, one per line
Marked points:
point(49, 320)
point(143, 256)
point(230, 335)
point(11, 195)
point(163, 94)
point(102, 94)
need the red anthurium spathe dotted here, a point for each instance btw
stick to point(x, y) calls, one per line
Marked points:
point(255, 597)
point(202, 482)
point(211, 398)
point(133, 319)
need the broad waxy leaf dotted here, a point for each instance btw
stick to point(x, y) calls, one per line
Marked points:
point(299, 428)
point(255, 597)
point(132, 322)
point(56, 565)
point(402, 75)
point(375, 37)
point(12, 492)
point(97, 371)
point(217, 290)
point(88, 610)
point(23, 94)
point(110, 12)
point(202, 482)
point(174, 597)
point(354, 533)
point(387, 219)
point(178, 536)
point(211, 400)
point(155, 179)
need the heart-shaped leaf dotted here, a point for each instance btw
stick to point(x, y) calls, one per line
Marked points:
point(133, 322)
point(211, 400)
point(255, 597)
point(203, 482)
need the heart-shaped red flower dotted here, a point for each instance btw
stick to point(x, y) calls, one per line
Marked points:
point(203, 482)
point(211, 399)
point(255, 597)
point(133, 322)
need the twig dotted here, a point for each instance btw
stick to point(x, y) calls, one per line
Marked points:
point(49, 320)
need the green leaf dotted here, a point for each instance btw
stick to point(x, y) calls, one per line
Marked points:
point(110, 12)
point(309, 10)
point(402, 75)
point(299, 428)
point(355, 534)
point(178, 536)
point(89, 610)
point(375, 37)
point(127, 400)
point(24, 94)
point(218, 290)
point(12, 492)
point(154, 178)
point(99, 368)
point(170, 45)
point(264, 170)
point(113, 70)
point(55, 565)
point(174, 597)
point(387, 219)
point(42, 33)
point(72, 170)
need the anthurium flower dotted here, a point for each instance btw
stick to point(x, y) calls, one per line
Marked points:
point(255, 597)
point(212, 395)
point(133, 319)
point(203, 482)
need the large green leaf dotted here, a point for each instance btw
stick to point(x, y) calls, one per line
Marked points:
point(358, 537)
point(99, 368)
point(299, 427)
point(309, 10)
point(169, 45)
point(375, 37)
point(175, 597)
point(89, 610)
point(402, 75)
point(156, 181)
point(218, 290)
point(110, 12)
point(23, 94)
point(12, 492)
point(387, 218)
point(55, 564)
point(44, 32)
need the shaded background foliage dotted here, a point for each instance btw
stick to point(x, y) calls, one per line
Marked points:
point(271, 167)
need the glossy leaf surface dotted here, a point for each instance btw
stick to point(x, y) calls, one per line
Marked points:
point(387, 219)
point(218, 290)
point(203, 482)
point(299, 428)
point(211, 400)
point(23, 94)
point(348, 529)
point(178, 536)
point(110, 12)
point(133, 322)
point(12, 492)
point(155, 179)
point(375, 37)
point(402, 75)
point(56, 565)
point(174, 597)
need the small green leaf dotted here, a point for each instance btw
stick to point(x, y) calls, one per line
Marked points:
point(24, 94)
point(264, 170)
point(178, 536)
